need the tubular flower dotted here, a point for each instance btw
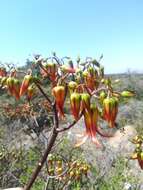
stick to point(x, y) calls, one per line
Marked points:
point(3, 72)
point(3, 81)
point(67, 69)
point(110, 110)
point(102, 96)
point(52, 70)
point(30, 92)
point(90, 120)
point(10, 85)
point(138, 152)
point(90, 78)
point(72, 86)
point(140, 160)
point(75, 102)
point(85, 100)
point(59, 94)
point(127, 94)
point(25, 84)
point(16, 88)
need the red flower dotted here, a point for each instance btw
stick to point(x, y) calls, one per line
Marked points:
point(90, 120)
point(16, 88)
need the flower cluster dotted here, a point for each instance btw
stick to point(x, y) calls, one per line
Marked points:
point(138, 152)
point(62, 170)
point(84, 84)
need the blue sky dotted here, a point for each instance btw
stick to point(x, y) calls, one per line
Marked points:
point(74, 27)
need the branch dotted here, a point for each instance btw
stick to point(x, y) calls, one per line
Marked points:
point(42, 92)
point(43, 159)
point(71, 125)
point(48, 150)
point(103, 134)
point(98, 90)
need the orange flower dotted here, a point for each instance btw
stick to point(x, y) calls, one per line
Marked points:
point(52, 70)
point(25, 84)
point(59, 94)
point(90, 120)
point(30, 92)
point(90, 78)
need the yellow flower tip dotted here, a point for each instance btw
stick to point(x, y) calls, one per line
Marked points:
point(134, 156)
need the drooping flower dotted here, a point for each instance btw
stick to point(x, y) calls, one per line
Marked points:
point(3, 72)
point(75, 102)
point(140, 159)
point(16, 88)
point(110, 110)
point(67, 69)
point(90, 120)
point(72, 86)
point(25, 84)
point(3, 81)
point(52, 70)
point(49, 70)
point(85, 100)
point(59, 94)
point(102, 96)
point(90, 78)
point(10, 85)
point(30, 92)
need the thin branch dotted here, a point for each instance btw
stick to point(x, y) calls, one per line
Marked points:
point(71, 125)
point(103, 135)
point(44, 94)
point(100, 89)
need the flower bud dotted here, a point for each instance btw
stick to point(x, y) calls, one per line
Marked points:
point(134, 156)
point(102, 96)
point(3, 81)
point(72, 86)
point(127, 94)
point(75, 101)
point(85, 98)
point(110, 109)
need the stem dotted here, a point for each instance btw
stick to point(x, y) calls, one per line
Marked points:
point(43, 159)
point(42, 92)
point(47, 151)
